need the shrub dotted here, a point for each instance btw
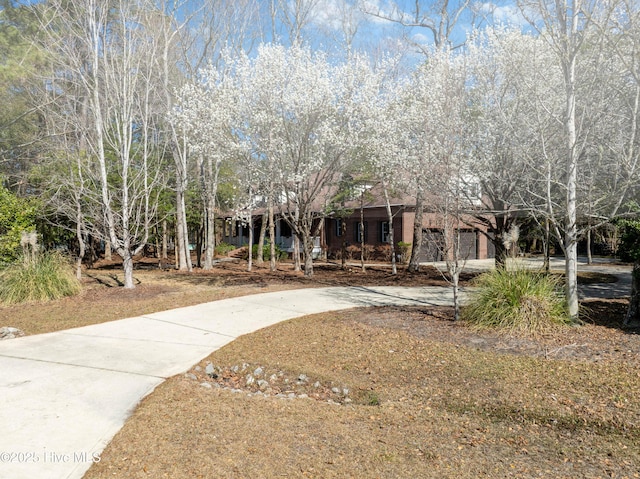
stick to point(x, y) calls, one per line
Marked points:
point(222, 249)
point(16, 215)
point(49, 276)
point(266, 252)
point(352, 251)
point(383, 252)
point(516, 301)
point(404, 249)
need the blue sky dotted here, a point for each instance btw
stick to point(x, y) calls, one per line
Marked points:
point(374, 32)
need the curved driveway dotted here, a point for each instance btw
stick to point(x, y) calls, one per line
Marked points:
point(64, 395)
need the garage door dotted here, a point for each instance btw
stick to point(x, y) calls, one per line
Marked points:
point(432, 246)
point(468, 245)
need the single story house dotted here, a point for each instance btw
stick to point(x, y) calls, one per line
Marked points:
point(340, 232)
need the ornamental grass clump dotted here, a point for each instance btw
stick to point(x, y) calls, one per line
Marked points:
point(519, 301)
point(44, 277)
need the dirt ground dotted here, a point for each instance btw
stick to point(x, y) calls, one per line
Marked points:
point(368, 393)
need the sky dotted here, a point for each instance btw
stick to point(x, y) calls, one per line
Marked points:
point(375, 32)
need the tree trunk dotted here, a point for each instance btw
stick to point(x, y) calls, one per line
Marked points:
point(343, 247)
point(394, 269)
point(362, 233)
point(210, 186)
point(107, 250)
point(199, 241)
point(164, 254)
point(571, 232)
point(81, 248)
point(500, 251)
point(455, 280)
point(272, 237)
point(263, 233)
point(632, 319)
point(250, 259)
point(416, 249)
point(183, 256)
point(589, 256)
point(127, 263)
point(307, 245)
point(296, 244)
point(547, 246)
point(297, 266)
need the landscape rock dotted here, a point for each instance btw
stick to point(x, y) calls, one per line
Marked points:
point(259, 380)
point(8, 332)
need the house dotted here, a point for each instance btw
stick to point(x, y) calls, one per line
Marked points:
point(342, 234)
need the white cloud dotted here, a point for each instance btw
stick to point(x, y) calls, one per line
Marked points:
point(422, 39)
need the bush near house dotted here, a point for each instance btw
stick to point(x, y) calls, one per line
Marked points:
point(223, 248)
point(266, 252)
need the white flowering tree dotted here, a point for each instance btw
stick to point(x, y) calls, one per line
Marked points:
point(299, 123)
point(207, 115)
point(439, 92)
point(510, 90)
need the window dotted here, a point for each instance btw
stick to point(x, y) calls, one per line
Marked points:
point(384, 232)
point(285, 229)
point(338, 225)
point(472, 191)
point(358, 230)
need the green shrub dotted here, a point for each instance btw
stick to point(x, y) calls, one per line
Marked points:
point(516, 301)
point(222, 249)
point(49, 276)
point(16, 215)
point(266, 252)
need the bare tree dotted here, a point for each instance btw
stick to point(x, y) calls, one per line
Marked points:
point(100, 46)
point(440, 18)
point(574, 32)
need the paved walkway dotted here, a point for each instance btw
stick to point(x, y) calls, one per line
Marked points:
point(64, 395)
point(620, 289)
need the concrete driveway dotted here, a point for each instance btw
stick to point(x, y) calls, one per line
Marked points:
point(64, 395)
point(620, 289)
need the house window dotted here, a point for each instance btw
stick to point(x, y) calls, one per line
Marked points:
point(338, 224)
point(285, 229)
point(472, 191)
point(358, 229)
point(385, 236)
